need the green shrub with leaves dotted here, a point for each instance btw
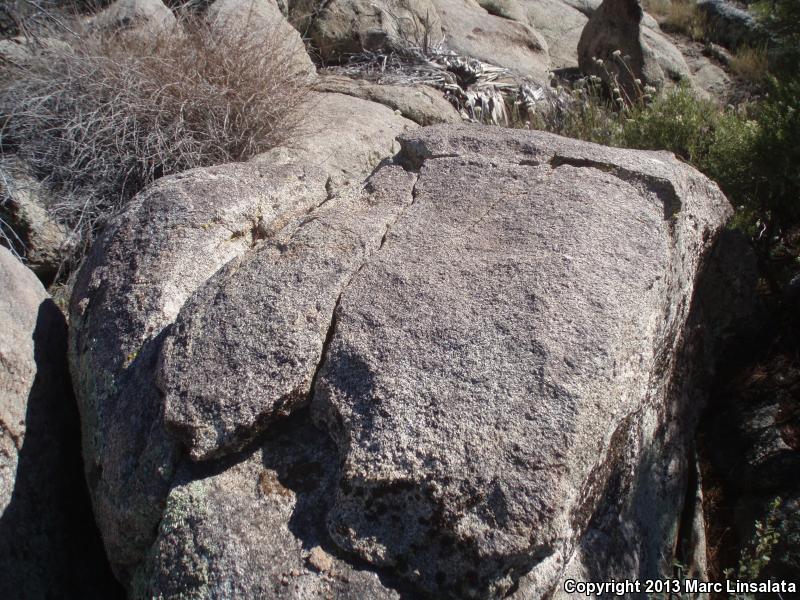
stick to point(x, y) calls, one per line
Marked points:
point(781, 18)
point(675, 121)
point(751, 152)
point(758, 553)
point(776, 153)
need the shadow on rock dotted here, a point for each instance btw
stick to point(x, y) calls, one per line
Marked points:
point(49, 544)
point(306, 461)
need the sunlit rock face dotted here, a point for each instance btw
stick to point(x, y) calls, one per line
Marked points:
point(460, 376)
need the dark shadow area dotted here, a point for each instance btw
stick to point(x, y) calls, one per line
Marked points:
point(306, 461)
point(403, 517)
point(652, 499)
point(50, 546)
point(299, 460)
point(748, 438)
point(749, 443)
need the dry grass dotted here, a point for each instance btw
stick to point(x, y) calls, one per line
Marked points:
point(658, 8)
point(751, 64)
point(98, 116)
point(684, 17)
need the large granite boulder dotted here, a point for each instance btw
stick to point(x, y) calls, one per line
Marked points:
point(49, 545)
point(340, 28)
point(528, 37)
point(173, 237)
point(560, 25)
point(345, 136)
point(616, 46)
point(730, 25)
point(492, 379)
point(261, 17)
point(449, 378)
point(471, 31)
point(561, 22)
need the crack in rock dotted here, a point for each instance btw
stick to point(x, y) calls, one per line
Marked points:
point(661, 187)
point(148, 261)
point(245, 348)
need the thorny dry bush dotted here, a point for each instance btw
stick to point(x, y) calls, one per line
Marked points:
point(99, 115)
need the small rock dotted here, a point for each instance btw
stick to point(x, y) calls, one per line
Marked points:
point(320, 560)
point(23, 206)
point(420, 103)
point(150, 15)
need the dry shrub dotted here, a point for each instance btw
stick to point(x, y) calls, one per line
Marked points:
point(97, 116)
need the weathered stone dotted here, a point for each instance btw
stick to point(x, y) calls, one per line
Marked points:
point(561, 26)
point(174, 236)
point(712, 80)
point(490, 329)
point(22, 297)
point(419, 103)
point(665, 54)
point(48, 542)
point(507, 9)
point(244, 531)
point(262, 16)
point(341, 27)
point(246, 346)
point(469, 30)
point(345, 136)
point(731, 26)
point(587, 7)
point(492, 368)
point(36, 236)
point(168, 243)
point(138, 14)
point(626, 50)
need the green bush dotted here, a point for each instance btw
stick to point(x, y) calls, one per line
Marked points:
point(776, 154)
point(752, 154)
point(781, 18)
point(757, 554)
point(675, 121)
